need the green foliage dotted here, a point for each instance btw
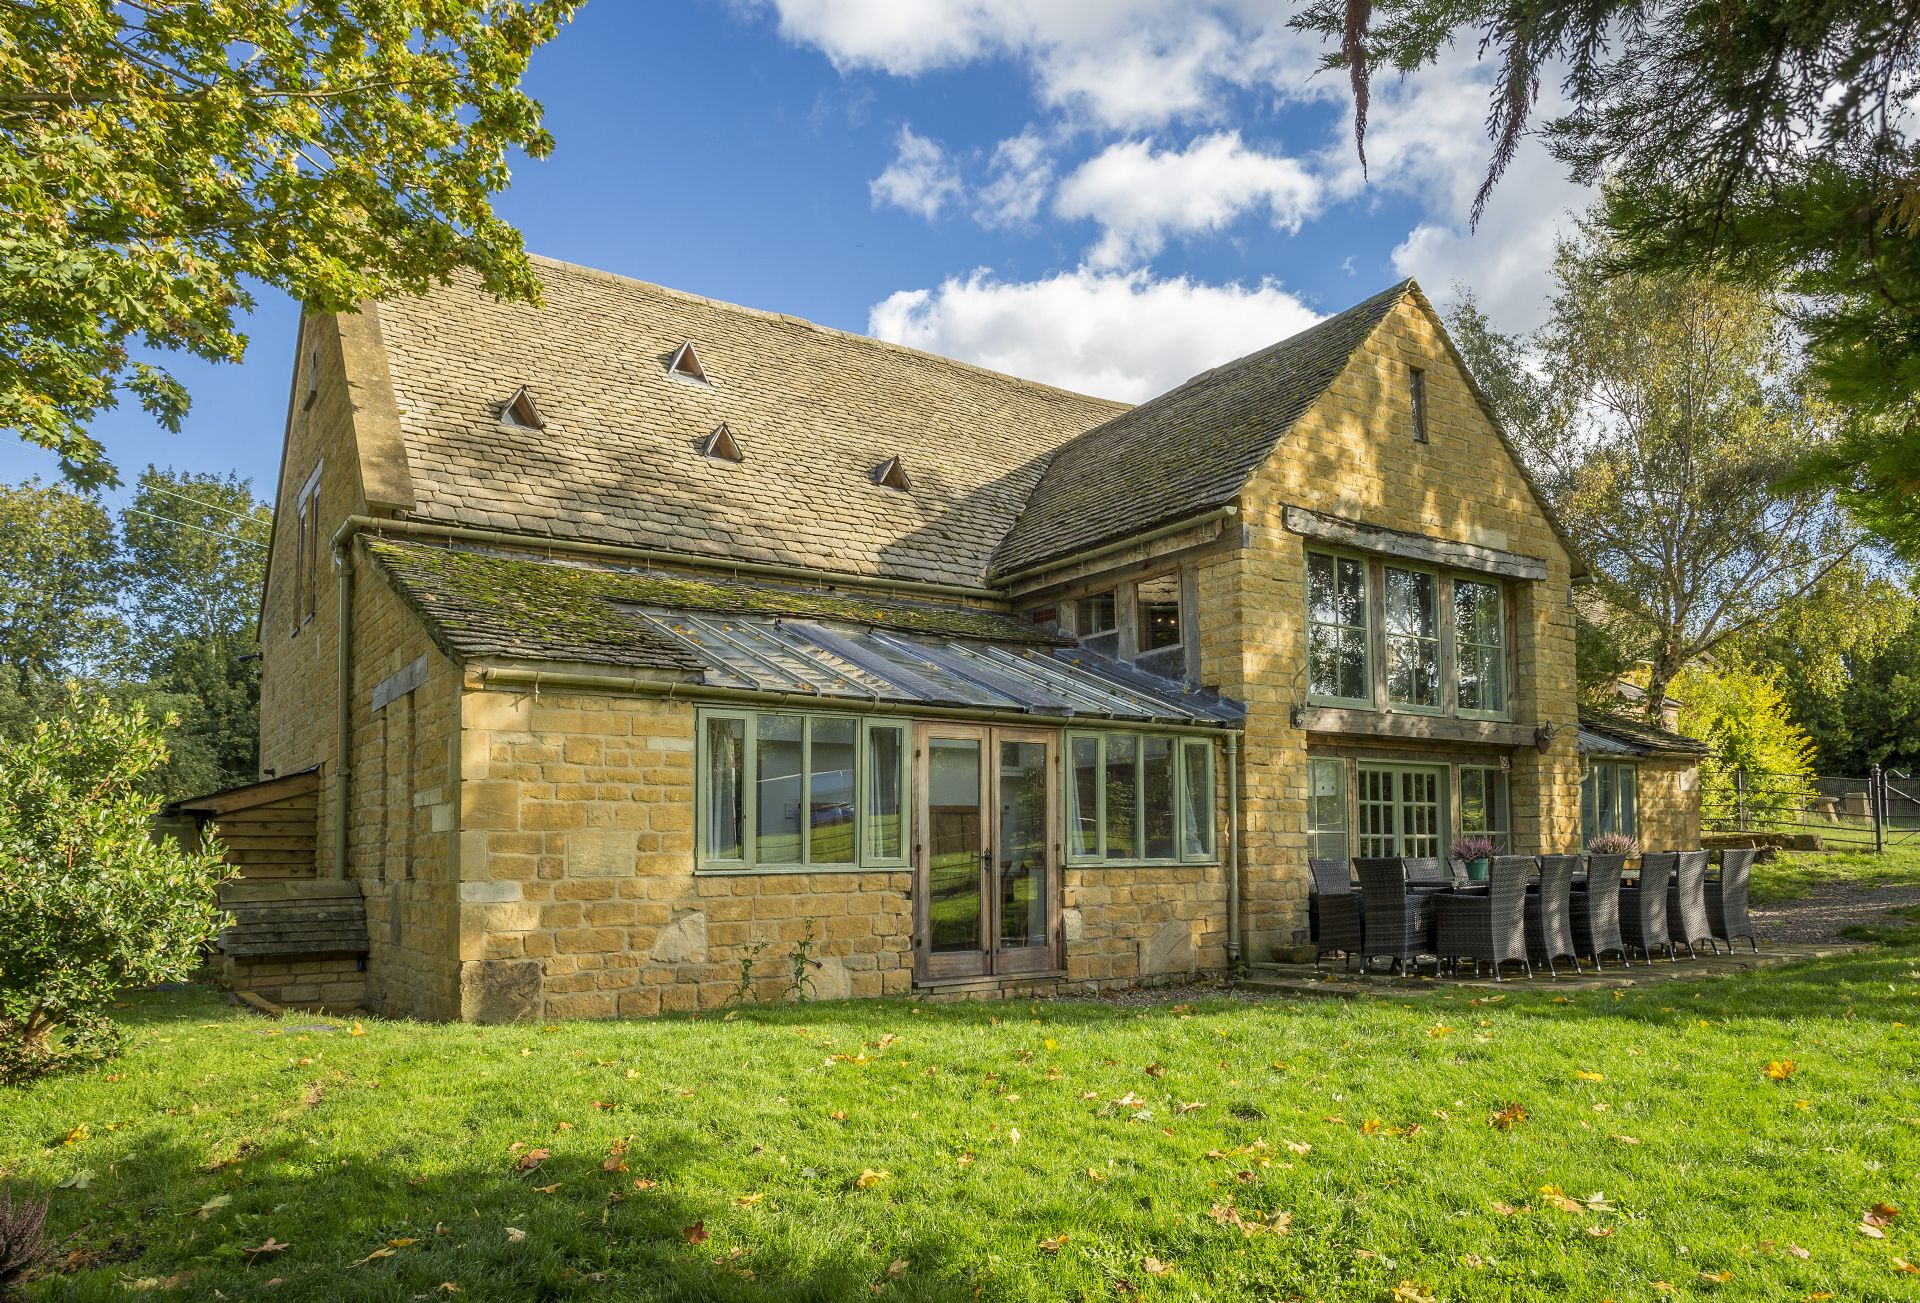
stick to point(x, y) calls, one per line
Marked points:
point(1658, 412)
point(57, 587)
point(1849, 663)
point(1742, 714)
point(1765, 143)
point(194, 560)
point(90, 901)
point(158, 158)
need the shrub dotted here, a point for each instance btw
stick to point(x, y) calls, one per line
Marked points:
point(90, 901)
point(23, 1239)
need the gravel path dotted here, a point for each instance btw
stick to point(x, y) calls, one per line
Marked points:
point(1819, 916)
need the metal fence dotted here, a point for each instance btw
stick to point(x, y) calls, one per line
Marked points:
point(1868, 813)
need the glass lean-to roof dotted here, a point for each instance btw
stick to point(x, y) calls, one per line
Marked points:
point(858, 663)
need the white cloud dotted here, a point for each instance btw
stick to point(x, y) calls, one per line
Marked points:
point(1127, 335)
point(1021, 176)
point(1140, 197)
point(921, 179)
point(1130, 64)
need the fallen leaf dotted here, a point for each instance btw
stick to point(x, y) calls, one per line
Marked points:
point(1508, 1118)
point(1155, 1267)
point(896, 1269)
point(1096, 1175)
point(79, 1132)
point(1600, 1232)
point(1799, 1252)
point(1585, 1075)
point(1780, 1070)
point(1880, 1214)
point(1716, 1277)
point(213, 1205)
point(1626, 1140)
point(531, 1159)
point(1437, 1031)
point(376, 1254)
point(358, 1030)
point(400, 1243)
point(515, 1235)
point(696, 1233)
point(870, 1178)
point(1053, 1245)
point(838, 1115)
point(1409, 1292)
point(268, 1245)
point(642, 1183)
point(1155, 1070)
point(547, 1189)
point(1507, 1209)
point(1298, 1147)
point(1013, 1136)
point(1193, 1106)
point(1902, 1265)
point(749, 1200)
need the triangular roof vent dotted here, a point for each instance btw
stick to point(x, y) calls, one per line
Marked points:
point(686, 362)
point(520, 410)
point(892, 474)
point(721, 445)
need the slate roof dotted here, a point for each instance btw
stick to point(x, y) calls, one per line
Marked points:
point(815, 411)
point(481, 604)
point(1619, 735)
point(1189, 450)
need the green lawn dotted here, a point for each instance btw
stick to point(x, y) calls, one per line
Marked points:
point(1306, 1149)
point(1795, 873)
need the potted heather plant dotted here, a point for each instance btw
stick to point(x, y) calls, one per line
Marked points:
point(1474, 852)
point(1613, 843)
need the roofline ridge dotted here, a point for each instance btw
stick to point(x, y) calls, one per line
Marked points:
point(854, 335)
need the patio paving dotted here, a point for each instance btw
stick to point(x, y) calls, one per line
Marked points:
point(1332, 982)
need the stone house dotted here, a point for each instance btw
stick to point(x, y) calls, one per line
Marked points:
point(635, 631)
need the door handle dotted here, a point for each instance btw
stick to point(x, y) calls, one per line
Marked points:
point(986, 859)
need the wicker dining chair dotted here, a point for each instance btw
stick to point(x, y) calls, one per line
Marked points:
point(1397, 922)
point(1643, 907)
point(1429, 872)
point(1727, 898)
point(1687, 905)
point(1550, 914)
point(1488, 928)
point(1595, 912)
point(1333, 911)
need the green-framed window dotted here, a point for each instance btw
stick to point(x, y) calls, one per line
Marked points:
point(1609, 800)
point(1480, 647)
point(1139, 797)
point(1328, 837)
point(792, 790)
point(1339, 657)
point(1412, 606)
point(1484, 808)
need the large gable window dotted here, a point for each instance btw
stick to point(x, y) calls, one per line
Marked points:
point(1480, 647)
point(1139, 797)
point(789, 791)
point(1337, 657)
point(1413, 638)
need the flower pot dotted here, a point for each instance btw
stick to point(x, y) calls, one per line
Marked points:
point(1477, 869)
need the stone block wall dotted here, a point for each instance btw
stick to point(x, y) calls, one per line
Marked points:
point(1667, 804)
point(578, 897)
point(1354, 455)
point(1132, 924)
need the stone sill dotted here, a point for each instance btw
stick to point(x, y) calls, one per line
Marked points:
point(799, 870)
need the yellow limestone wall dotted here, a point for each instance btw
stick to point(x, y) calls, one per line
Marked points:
point(1354, 455)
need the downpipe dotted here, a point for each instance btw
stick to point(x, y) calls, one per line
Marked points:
point(343, 692)
point(1233, 849)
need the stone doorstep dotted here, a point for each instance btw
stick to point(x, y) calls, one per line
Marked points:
point(1338, 983)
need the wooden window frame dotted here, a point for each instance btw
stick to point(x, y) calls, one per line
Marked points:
point(306, 564)
point(1104, 855)
point(1442, 666)
point(1504, 647)
point(749, 861)
point(1417, 387)
point(1588, 831)
point(1340, 766)
point(1489, 776)
point(1367, 627)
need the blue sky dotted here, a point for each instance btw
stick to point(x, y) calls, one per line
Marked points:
point(1106, 194)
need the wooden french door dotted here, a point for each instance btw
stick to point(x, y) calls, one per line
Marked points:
point(1402, 810)
point(986, 863)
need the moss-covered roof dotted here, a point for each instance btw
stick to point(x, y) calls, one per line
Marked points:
point(494, 604)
